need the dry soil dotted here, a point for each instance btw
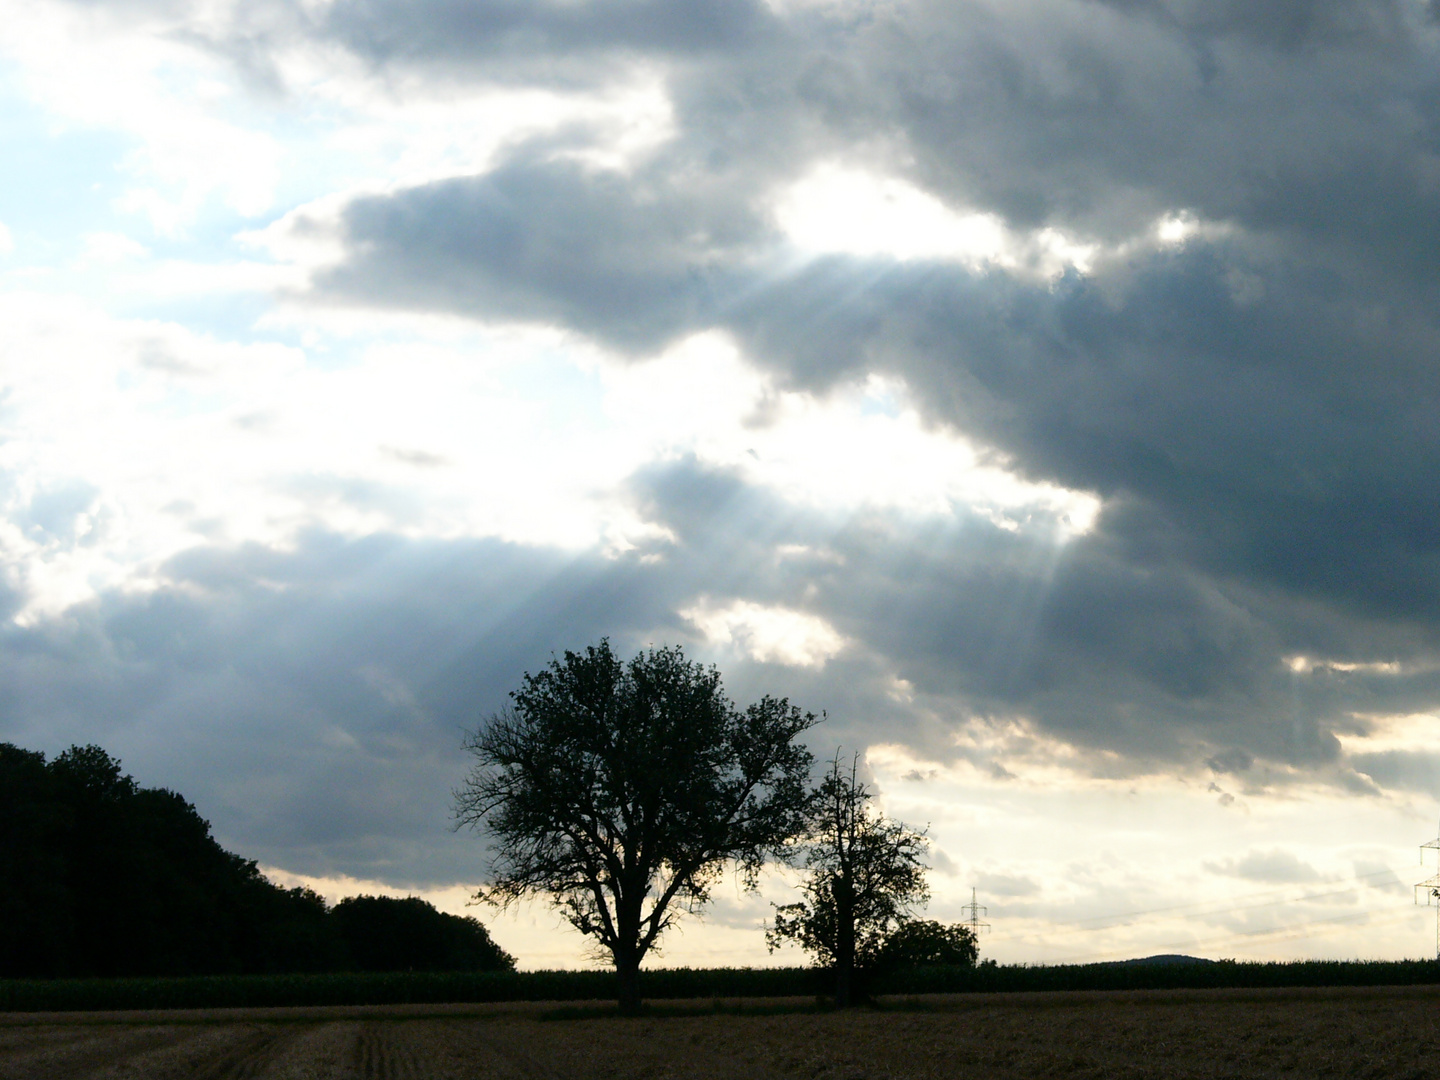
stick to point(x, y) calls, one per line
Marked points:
point(1389, 1033)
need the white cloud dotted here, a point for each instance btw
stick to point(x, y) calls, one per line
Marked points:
point(767, 634)
point(1414, 732)
point(445, 431)
point(180, 104)
point(847, 210)
point(856, 212)
point(411, 132)
point(1307, 665)
point(862, 446)
point(200, 134)
point(853, 211)
point(7, 242)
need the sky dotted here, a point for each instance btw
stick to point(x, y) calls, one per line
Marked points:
point(1048, 391)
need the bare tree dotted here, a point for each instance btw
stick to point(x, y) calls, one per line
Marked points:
point(865, 876)
point(621, 790)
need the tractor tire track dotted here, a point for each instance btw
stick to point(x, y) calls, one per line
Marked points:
point(252, 1055)
point(387, 1050)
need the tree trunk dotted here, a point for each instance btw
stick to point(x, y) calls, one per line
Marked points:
point(627, 972)
point(844, 973)
point(845, 954)
point(629, 952)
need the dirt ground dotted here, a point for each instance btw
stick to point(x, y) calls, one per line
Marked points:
point(1389, 1033)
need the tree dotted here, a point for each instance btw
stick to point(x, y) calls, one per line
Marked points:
point(621, 790)
point(386, 933)
point(925, 941)
point(865, 876)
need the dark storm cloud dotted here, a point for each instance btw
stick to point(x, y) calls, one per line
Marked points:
point(1259, 407)
point(1161, 663)
point(1287, 438)
point(1260, 422)
point(501, 33)
point(1089, 116)
point(1288, 441)
point(519, 42)
point(634, 260)
point(1294, 118)
point(1402, 770)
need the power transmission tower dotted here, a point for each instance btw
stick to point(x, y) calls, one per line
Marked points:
point(974, 911)
point(1430, 889)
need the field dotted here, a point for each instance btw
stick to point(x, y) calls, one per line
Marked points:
point(1342, 1032)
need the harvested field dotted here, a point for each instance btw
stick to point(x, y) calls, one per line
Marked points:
point(1390, 1033)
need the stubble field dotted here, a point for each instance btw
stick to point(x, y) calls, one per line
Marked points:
point(1390, 1033)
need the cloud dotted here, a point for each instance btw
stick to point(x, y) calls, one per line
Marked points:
point(478, 36)
point(766, 634)
point(1273, 867)
point(1105, 395)
point(1245, 399)
point(1007, 885)
point(1260, 444)
point(550, 241)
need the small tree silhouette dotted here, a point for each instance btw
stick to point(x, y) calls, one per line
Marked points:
point(865, 876)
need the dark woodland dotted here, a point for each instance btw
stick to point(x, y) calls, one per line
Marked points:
point(100, 877)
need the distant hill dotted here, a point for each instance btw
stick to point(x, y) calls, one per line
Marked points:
point(101, 877)
point(1161, 959)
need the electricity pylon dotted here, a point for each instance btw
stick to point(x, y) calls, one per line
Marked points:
point(1430, 889)
point(974, 911)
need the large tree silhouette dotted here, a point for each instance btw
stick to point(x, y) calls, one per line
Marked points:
point(621, 790)
point(866, 874)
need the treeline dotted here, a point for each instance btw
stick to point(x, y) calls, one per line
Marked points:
point(100, 877)
point(1198, 975)
point(715, 984)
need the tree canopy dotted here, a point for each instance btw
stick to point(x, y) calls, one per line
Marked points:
point(865, 875)
point(386, 933)
point(917, 942)
point(620, 790)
